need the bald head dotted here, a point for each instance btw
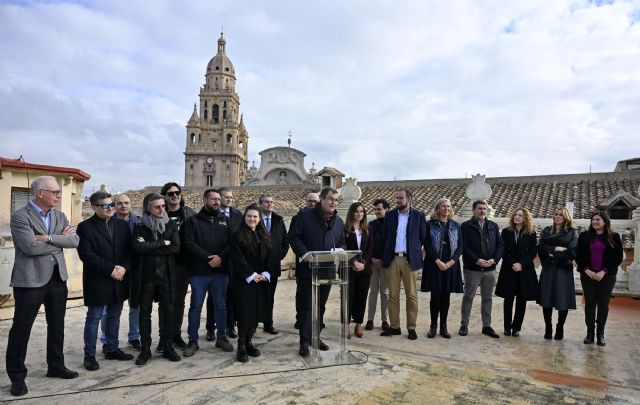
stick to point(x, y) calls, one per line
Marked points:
point(312, 200)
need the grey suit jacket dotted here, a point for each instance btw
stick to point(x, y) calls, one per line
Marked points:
point(34, 260)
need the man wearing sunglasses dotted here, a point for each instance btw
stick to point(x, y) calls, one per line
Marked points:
point(177, 212)
point(105, 251)
point(156, 241)
point(39, 276)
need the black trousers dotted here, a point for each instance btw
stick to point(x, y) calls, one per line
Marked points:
point(211, 311)
point(358, 292)
point(179, 293)
point(439, 305)
point(273, 284)
point(597, 295)
point(158, 289)
point(303, 290)
point(515, 323)
point(27, 303)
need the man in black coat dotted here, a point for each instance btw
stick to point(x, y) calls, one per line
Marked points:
point(105, 251)
point(207, 237)
point(274, 224)
point(156, 241)
point(315, 229)
point(235, 219)
point(482, 250)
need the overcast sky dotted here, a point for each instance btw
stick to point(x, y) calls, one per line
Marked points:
point(378, 89)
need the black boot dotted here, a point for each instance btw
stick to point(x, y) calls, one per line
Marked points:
point(559, 332)
point(432, 331)
point(600, 336)
point(548, 326)
point(588, 340)
point(444, 332)
point(251, 349)
point(548, 331)
point(144, 356)
point(241, 354)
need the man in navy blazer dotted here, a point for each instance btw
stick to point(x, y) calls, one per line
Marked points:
point(406, 230)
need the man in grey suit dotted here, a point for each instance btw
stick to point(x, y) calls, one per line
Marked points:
point(39, 277)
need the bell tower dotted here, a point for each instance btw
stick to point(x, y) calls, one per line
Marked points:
point(217, 140)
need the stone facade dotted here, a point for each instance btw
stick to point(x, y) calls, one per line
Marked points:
point(217, 140)
point(280, 165)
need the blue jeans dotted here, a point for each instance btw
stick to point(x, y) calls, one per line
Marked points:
point(112, 327)
point(216, 284)
point(134, 325)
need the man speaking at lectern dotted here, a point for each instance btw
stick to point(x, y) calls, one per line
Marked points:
point(315, 229)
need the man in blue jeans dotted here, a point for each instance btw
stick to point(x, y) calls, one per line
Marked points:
point(105, 251)
point(206, 238)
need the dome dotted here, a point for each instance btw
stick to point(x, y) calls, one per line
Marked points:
point(221, 63)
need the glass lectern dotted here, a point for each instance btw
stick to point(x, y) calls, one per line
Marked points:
point(330, 268)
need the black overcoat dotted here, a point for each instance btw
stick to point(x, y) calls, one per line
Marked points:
point(557, 289)
point(100, 254)
point(280, 242)
point(523, 283)
point(152, 253)
point(252, 301)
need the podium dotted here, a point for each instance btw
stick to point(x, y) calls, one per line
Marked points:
point(330, 268)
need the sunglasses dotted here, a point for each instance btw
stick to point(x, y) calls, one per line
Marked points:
point(105, 206)
point(158, 207)
point(173, 194)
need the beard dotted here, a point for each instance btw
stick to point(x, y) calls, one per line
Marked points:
point(213, 211)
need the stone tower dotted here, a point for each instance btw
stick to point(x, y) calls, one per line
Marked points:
point(217, 140)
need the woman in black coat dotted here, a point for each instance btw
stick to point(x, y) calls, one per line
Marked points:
point(357, 237)
point(441, 274)
point(517, 278)
point(556, 250)
point(599, 255)
point(251, 251)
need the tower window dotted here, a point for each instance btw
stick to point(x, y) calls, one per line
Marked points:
point(199, 137)
point(224, 104)
point(205, 113)
point(224, 114)
point(215, 113)
point(205, 103)
point(217, 67)
point(193, 138)
point(229, 138)
point(241, 145)
point(226, 69)
point(209, 180)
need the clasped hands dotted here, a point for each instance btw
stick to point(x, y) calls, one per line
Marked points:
point(118, 273)
point(593, 275)
point(485, 263)
point(442, 266)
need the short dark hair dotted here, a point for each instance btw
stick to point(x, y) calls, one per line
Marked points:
point(167, 186)
point(148, 198)
point(263, 196)
point(382, 201)
point(406, 191)
point(97, 196)
point(479, 202)
point(209, 191)
point(325, 191)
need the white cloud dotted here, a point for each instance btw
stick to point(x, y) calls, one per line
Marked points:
point(379, 90)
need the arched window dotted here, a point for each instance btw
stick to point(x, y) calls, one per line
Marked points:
point(224, 114)
point(241, 145)
point(224, 104)
point(226, 83)
point(205, 113)
point(229, 138)
point(193, 138)
point(205, 103)
point(199, 137)
point(214, 112)
point(209, 180)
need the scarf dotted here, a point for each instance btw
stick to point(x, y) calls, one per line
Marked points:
point(157, 225)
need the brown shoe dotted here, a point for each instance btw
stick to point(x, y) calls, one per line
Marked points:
point(358, 331)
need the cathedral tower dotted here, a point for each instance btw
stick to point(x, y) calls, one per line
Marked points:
point(217, 140)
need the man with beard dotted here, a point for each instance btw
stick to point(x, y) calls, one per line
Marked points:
point(156, 240)
point(207, 235)
point(274, 224)
point(406, 231)
point(235, 218)
point(178, 212)
point(315, 229)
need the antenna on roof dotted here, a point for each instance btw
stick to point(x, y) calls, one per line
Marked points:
point(289, 140)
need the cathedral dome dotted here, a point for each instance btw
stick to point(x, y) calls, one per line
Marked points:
point(221, 63)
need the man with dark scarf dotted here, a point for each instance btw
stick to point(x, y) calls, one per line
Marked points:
point(156, 241)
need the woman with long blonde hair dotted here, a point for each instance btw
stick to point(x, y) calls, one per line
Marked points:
point(517, 279)
point(557, 249)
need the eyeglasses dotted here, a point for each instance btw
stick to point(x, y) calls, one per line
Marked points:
point(313, 201)
point(105, 206)
point(158, 207)
point(57, 193)
point(173, 194)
